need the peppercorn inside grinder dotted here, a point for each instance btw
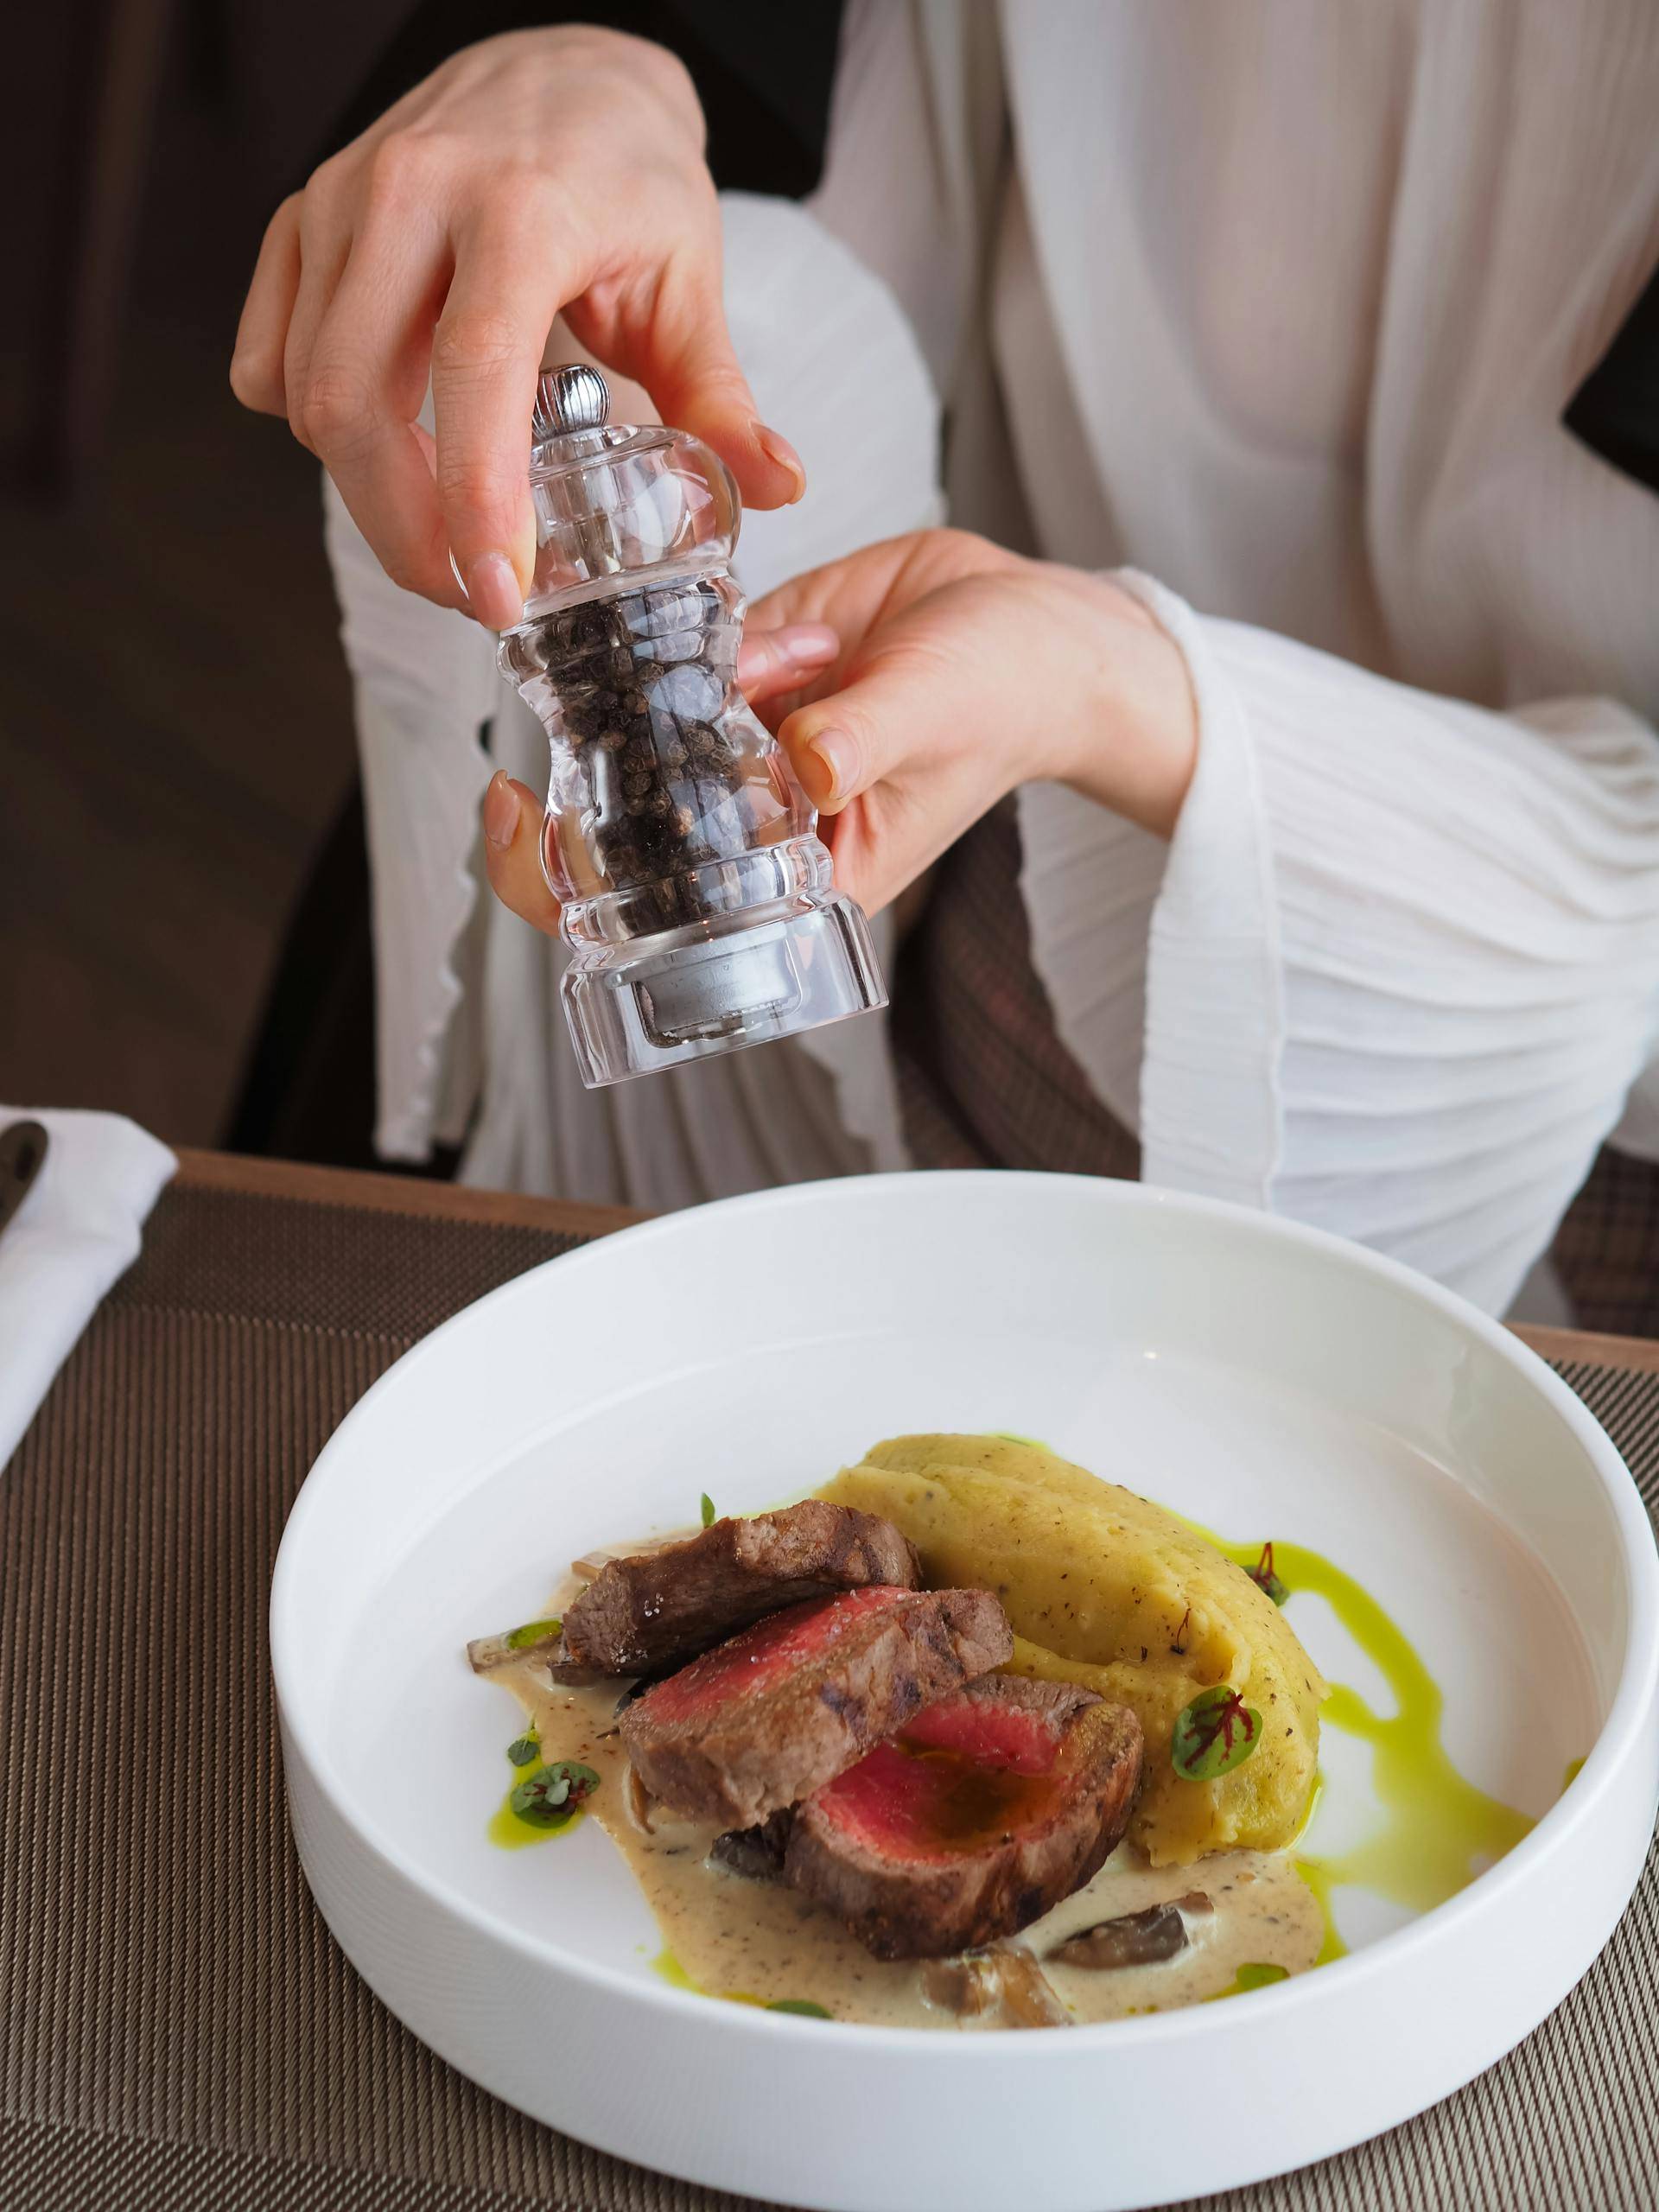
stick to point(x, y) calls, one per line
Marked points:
point(698, 906)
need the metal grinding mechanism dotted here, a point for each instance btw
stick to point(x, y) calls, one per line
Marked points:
point(698, 905)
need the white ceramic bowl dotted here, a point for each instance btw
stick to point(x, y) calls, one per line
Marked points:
point(1262, 1378)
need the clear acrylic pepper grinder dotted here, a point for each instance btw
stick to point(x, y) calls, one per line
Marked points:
point(697, 903)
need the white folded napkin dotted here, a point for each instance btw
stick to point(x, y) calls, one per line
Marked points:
point(75, 1232)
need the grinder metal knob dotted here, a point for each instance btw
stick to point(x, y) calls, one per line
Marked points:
point(571, 397)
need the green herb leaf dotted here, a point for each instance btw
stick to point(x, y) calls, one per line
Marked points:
point(709, 1513)
point(1264, 1578)
point(523, 1749)
point(555, 1794)
point(1215, 1733)
point(802, 2006)
point(519, 1639)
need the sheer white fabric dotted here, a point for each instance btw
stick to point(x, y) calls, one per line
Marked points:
point(1284, 303)
point(1401, 967)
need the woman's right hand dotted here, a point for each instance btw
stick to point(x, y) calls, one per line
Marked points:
point(540, 172)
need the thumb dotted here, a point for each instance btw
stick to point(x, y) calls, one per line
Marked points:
point(841, 745)
point(906, 759)
point(785, 659)
point(512, 859)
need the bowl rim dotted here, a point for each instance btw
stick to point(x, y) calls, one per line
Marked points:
point(1574, 1811)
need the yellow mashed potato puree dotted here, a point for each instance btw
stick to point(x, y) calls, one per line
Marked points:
point(1105, 1589)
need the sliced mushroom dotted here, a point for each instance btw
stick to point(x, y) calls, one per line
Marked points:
point(488, 1652)
point(585, 1568)
point(756, 1853)
point(1135, 1939)
point(967, 1985)
point(1005, 1981)
point(1028, 1998)
point(639, 1800)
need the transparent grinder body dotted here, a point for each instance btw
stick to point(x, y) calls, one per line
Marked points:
point(698, 903)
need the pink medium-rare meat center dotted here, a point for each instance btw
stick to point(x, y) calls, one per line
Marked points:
point(766, 1654)
point(962, 1776)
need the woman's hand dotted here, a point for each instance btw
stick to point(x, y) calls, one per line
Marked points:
point(539, 172)
point(964, 670)
point(917, 683)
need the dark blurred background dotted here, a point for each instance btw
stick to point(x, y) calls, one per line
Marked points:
point(183, 925)
point(174, 727)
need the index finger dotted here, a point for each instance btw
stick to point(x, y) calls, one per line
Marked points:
point(368, 368)
point(486, 354)
point(261, 331)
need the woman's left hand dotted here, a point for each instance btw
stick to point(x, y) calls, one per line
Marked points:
point(916, 682)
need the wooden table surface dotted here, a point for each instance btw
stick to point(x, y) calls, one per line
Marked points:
point(282, 1179)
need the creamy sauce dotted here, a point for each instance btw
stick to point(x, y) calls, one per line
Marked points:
point(759, 1943)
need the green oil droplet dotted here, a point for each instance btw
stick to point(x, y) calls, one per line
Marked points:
point(1250, 1976)
point(508, 1832)
point(1262, 1977)
point(675, 1975)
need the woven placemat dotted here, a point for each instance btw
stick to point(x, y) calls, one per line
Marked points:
point(177, 2028)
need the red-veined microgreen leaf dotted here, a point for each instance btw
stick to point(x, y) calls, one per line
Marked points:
point(1214, 1734)
point(1264, 1578)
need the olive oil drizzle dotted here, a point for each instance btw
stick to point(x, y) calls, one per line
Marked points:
point(1438, 1831)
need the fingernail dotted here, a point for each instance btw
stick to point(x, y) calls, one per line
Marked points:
point(500, 811)
point(837, 755)
point(806, 645)
point(492, 590)
point(779, 452)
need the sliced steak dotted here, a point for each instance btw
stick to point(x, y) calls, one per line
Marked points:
point(655, 1609)
point(973, 1820)
point(778, 1710)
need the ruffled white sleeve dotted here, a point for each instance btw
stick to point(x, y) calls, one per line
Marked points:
point(1398, 969)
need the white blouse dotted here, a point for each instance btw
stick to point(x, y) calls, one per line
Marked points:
point(1282, 304)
